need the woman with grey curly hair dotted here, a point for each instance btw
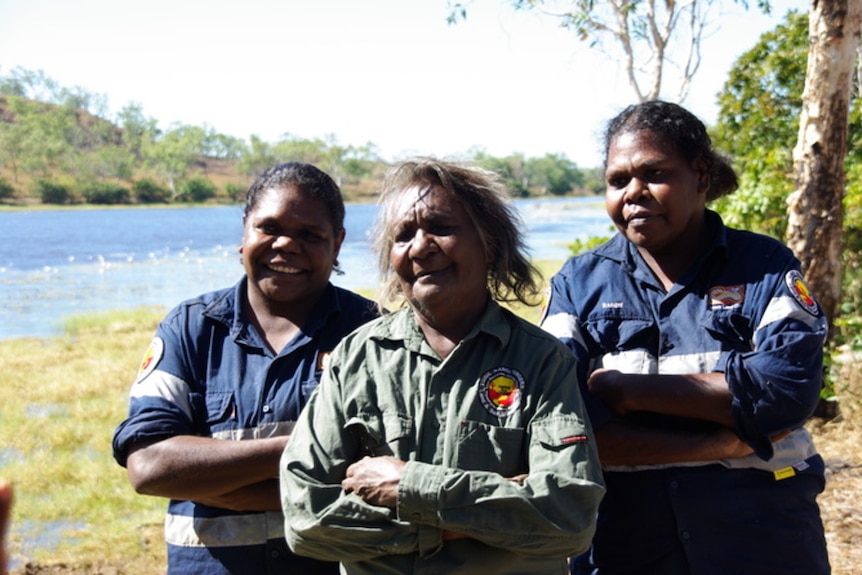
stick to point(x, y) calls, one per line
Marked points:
point(448, 436)
point(511, 275)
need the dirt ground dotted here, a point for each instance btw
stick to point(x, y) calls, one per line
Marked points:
point(839, 440)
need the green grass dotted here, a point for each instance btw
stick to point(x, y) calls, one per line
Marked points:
point(60, 400)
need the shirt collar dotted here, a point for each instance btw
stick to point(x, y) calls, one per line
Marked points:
point(229, 310)
point(404, 327)
point(622, 251)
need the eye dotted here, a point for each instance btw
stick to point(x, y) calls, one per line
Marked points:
point(656, 176)
point(617, 181)
point(268, 228)
point(403, 234)
point(313, 237)
point(442, 229)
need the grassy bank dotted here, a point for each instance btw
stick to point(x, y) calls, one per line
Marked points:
point(61, 399)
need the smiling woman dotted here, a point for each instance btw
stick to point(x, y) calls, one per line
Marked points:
point(443, 423)
point(227, 375)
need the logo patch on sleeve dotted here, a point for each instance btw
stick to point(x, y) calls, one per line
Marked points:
point(801, 292)
point(500, 390)
point(151, 359)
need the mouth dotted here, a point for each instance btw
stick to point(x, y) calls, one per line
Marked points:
point(421, 275)
point(639, 217)
point(283, 269)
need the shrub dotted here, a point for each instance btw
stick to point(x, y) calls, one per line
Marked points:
point(149, 192)
point(6, 189)
point(105, 193)
point(52, 192)
point(197, 190)
point(235, 192)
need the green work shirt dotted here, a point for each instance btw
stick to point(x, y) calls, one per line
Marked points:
point(505, 402)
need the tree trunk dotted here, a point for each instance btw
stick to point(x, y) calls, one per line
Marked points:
point(815, 213)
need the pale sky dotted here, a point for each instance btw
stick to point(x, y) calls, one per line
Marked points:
point(389, 72)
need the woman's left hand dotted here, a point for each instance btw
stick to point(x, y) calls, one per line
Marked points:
point(375, 480)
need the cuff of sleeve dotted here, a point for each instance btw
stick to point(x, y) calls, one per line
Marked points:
point(418, 493)
point(417, 504)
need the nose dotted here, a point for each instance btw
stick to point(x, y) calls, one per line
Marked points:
point(635, 189)
point(285, 242)
point(422, 244)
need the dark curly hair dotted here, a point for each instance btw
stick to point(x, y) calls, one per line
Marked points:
point(675, 125)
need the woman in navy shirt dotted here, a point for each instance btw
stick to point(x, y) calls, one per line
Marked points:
point(702, 348)
point(227, 374)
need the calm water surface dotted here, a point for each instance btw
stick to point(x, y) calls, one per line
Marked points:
point(57, 263)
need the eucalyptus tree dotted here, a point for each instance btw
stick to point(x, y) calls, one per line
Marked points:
point(815, 211)
point(172, 153)
point(759, 126)
point(653, 40)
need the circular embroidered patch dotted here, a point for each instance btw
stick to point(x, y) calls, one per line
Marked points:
point(151, 358)
point(800, 291)
point(500, 390)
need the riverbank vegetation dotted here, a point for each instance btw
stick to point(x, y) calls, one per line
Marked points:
point(60, 145)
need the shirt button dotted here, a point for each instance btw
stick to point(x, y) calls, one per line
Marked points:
point(674, 484)
point(266, 409)
point(274, 553)
point(686, 536)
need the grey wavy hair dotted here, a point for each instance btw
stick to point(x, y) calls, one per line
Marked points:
point(511, 275)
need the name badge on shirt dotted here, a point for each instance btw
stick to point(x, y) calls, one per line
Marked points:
point(726, 296)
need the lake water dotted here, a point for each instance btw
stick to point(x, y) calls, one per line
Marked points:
point(57, 263)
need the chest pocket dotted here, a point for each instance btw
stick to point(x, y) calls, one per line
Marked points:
point(731, 329)
point(376, 434)
point(491, 448)
point(615, 332)
point(212, 412)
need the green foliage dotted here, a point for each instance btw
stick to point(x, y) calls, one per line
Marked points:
point(105, 193)
point(52, 192)
point(554, 174)
point(758, 123)
point(578, 247)
point(7, 190)
point(511, 170)
point(551, 174)
point(149, 192)
point(235, 192)
point(196, 190)
point(594, 180)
